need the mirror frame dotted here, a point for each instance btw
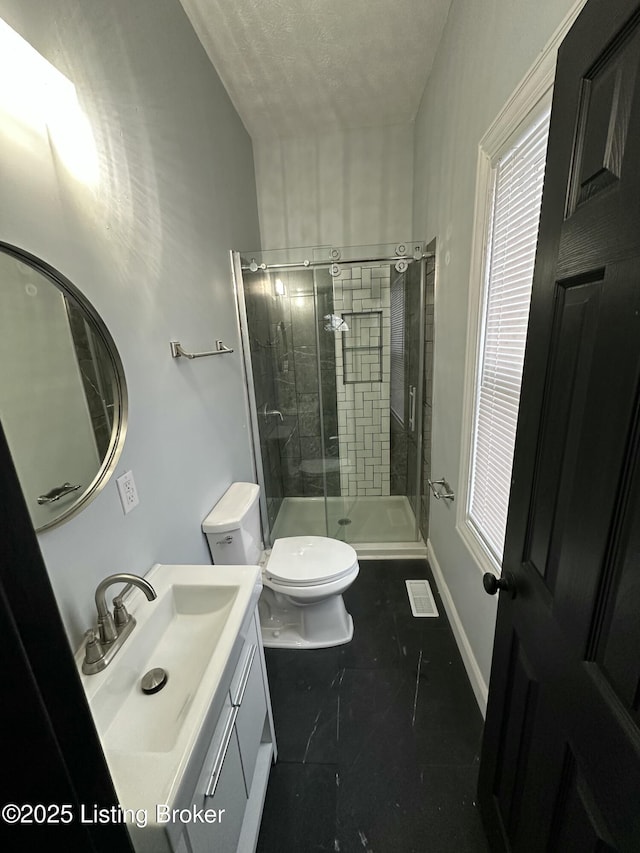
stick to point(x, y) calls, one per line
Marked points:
point(120, 403)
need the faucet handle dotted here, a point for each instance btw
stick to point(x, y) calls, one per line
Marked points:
point(93, 650)
point(120, 613)
point(107, 629)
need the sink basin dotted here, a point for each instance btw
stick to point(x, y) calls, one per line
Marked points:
point(191, 620)
point(191, 631)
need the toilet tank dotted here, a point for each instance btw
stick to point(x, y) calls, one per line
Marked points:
point(232, 527)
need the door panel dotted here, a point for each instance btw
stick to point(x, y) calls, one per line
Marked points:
point(560, 766)
point(577, 826)
point(521, 700)
point(572, 345)
point(617, 637)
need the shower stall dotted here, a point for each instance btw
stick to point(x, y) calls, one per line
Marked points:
point(338, 356)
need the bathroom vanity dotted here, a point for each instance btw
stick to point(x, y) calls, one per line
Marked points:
point(190, 762)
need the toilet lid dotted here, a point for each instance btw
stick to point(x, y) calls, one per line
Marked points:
point(310, 559)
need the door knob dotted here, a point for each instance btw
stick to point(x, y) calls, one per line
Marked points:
point(492, 584)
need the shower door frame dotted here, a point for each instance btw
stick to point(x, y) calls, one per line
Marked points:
point(238, 283)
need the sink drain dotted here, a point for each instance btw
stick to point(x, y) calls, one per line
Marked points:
point(344, 521)
point(154, 680)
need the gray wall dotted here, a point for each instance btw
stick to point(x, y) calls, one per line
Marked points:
point(341, 188)
point(147, 243)
point(486, 50)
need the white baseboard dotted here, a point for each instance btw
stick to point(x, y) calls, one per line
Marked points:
point(474, 673)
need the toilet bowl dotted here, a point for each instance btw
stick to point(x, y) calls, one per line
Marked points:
point(303, 577)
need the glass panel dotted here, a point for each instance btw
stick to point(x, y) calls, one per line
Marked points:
point(368, 509)
point(427, 397)
point(413, 323)
point(336, 462)
point(269, 343)
point(282, 320)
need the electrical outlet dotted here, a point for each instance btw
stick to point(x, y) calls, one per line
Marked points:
point(128, 492)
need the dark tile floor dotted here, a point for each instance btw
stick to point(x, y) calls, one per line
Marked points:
point(378, 740)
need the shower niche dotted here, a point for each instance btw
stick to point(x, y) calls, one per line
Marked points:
point(338, 356)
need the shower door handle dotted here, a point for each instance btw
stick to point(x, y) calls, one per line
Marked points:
point(412, 407)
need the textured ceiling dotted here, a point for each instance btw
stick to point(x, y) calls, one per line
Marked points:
point(299, 66)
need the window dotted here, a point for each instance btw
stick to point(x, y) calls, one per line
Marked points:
point(516, 181)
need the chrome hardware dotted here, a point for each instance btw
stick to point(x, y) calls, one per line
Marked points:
point(388, 259)
point(226, 541)
point(442, 493)
point(57, 493)
point(153, 680)
point(177, 351)
point(335, 254)
point(335, 323)
point(93, 649)
point(244, 678)
point(334, 270)
point(120, 614)
point(401, 265)
point(222, 753)
point(266, 411)
point(412, 407)
point(401, 249)
point(112, 632)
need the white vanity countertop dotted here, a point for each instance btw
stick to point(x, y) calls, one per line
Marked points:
point(193, 630)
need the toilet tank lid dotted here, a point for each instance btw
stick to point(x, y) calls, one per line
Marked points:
point(231, 509)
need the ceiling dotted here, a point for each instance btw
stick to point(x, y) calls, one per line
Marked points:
point(299, 66)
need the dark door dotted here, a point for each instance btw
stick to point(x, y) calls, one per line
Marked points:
point(560, 765)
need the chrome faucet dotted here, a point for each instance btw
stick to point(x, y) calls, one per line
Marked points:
point(114, 629)
point(266, 411)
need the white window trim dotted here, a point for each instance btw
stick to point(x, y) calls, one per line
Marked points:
point(529, 96)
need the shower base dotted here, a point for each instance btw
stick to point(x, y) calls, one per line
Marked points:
point(375, 526)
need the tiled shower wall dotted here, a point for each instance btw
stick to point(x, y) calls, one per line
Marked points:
point(363, 406)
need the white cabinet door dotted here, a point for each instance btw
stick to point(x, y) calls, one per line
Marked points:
point(247, 692)
point(220, 792)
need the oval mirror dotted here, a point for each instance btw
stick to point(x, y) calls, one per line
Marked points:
point(63, 396)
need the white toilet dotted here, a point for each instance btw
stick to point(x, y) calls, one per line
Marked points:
point(303, 577)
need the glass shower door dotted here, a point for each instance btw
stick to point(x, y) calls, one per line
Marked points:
point(335, 367)
point(373, 504)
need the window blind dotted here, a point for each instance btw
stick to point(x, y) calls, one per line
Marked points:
point(396, 349)
point(518, 180)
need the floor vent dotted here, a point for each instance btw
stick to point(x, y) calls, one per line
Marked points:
point(421, 598)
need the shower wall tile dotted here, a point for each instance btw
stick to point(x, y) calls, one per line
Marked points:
point(310, 447)
point(290, 447)
point(363, 406)
point(293, 481)
point(309, 423)
point(313, 485)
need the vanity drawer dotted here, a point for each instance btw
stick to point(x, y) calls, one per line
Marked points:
point(248, 695)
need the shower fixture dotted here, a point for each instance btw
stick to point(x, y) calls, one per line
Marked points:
point(335, 323)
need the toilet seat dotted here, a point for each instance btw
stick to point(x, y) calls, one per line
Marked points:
point(303, 561)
